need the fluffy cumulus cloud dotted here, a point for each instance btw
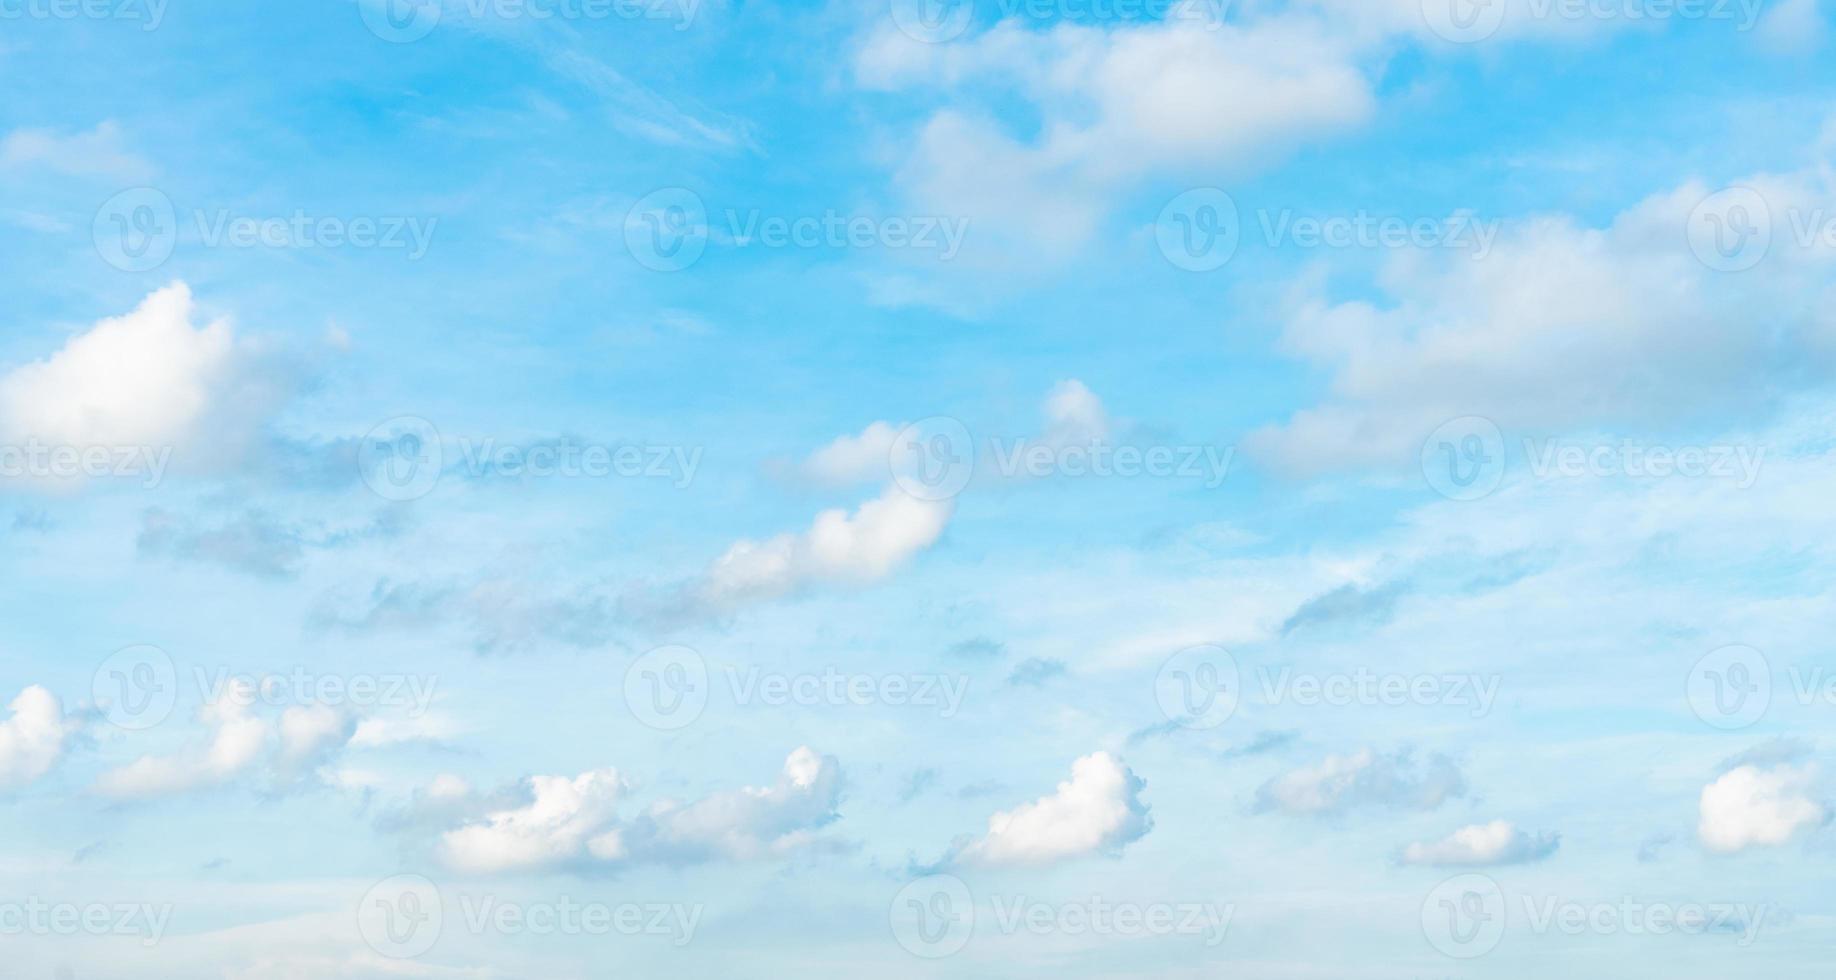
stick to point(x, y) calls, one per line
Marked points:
point(1752, 806)
point(1098, 811)
point(32, 737)
point(1497, 842)
point(186, 393)
point(574, 822)
point(1364, 778)
point(1537, 334)
point(839, 548)
point(242, 742)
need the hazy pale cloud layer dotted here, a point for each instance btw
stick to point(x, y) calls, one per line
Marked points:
point(918, 488)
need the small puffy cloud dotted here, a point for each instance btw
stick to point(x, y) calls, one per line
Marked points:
point(1097, 811)
point(32, 737)
point(1364, 778)
point(574, 822)
point(1750, 806)
point(1481, 844)
point(566, 820)
point(1075, 415)
point(238, 740)
point(839, 548)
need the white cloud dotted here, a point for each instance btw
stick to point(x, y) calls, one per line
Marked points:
point(1365, 777)
point(1749, 806)
point(238, 740)
point(849, 460)
point(839, 548)
point(1540, 334)
point(1497, 842)
point(32, 738)
point(565, 820)
point(96, 153)
point(575, 821)
point(144, 379)
point(1115, 105)
point(1097, 811)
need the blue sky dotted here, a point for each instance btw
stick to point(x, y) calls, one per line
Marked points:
point(1284, 488)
